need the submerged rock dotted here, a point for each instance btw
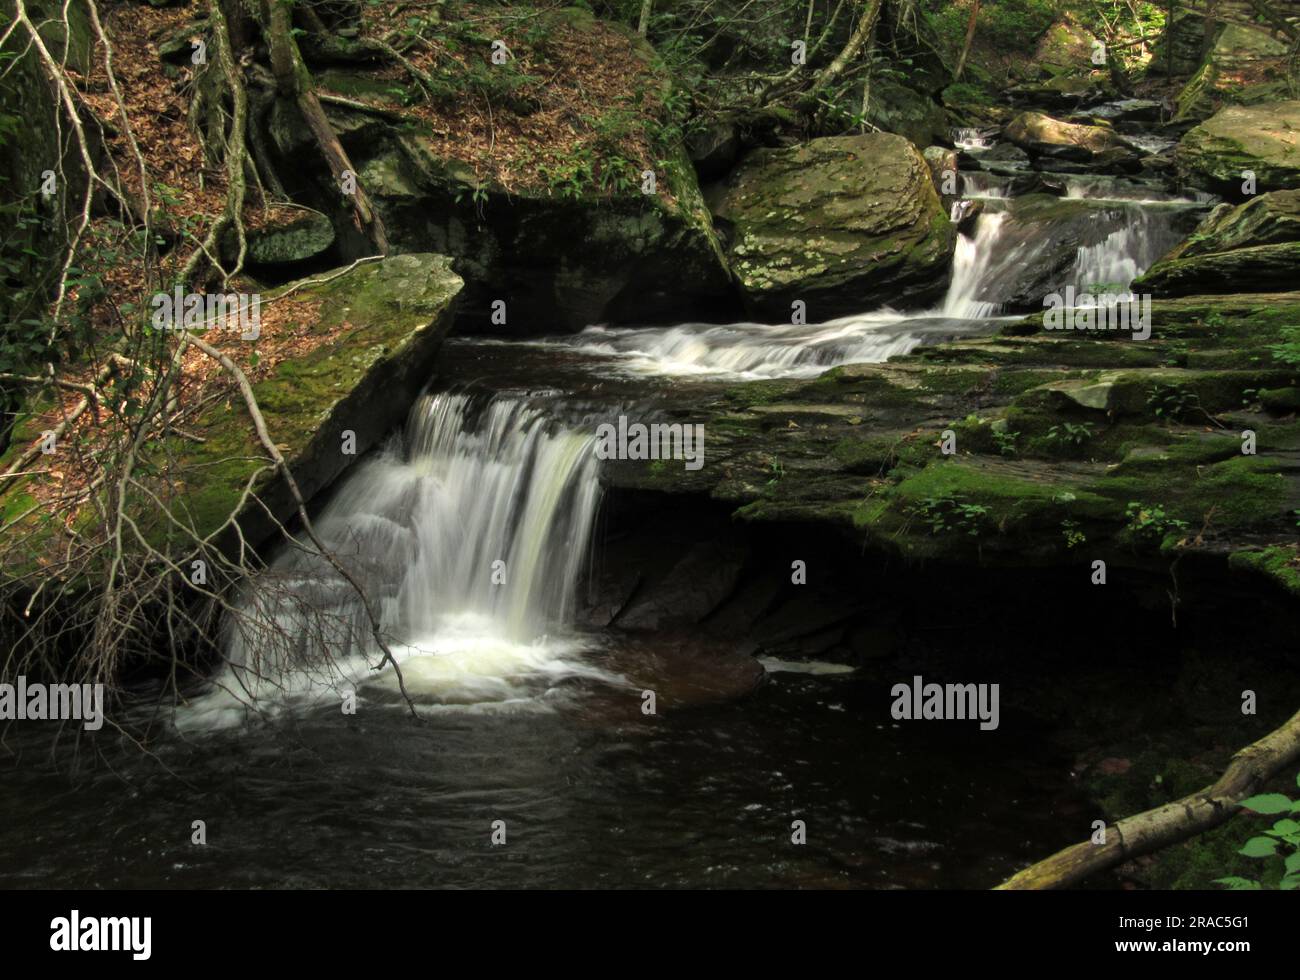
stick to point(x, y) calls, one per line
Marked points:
point(843, 223)
point(1262, 139)
point(1254, 247)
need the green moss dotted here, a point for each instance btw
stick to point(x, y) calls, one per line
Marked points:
point(1280, 563)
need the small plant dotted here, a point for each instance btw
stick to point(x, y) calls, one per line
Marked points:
point(1070, 433)
point(777, 469)
point(1287, 352)
point(1150, 521)
point(946, 515)
point(1005, 441)
point(1281, 841)
point(1073, 536)
point(1173, 402)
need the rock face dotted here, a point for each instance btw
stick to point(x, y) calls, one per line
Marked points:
point(843, 223)
point(559, 262)
point(1262, 139)
point(859, 446)
point(1245, 64)
point(1248, 248)
point(1043, 136)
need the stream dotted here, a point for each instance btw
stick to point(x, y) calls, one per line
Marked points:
point(477, 529)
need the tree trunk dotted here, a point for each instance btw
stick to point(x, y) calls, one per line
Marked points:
point(1249, 770)
point(970, 36)
point(644, 24)
point(294, 81)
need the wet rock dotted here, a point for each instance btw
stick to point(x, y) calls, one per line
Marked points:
point(1261, 139)
point(942, 162)
point(1006, 153)
point(843, 223)
point(692, 589)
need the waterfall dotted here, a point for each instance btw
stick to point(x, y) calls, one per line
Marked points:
point(974, 261)
point(1111, 264)
point(469, 536)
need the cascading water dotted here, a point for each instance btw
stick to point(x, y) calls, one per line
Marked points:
point(973, 263)
point(1112, 264)
point(470, 541)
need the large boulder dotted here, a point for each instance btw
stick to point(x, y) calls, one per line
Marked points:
point(1263, 140)
point(1245, 65)
point(1043, 136)
point(845, 223)
point(898, 109)
point(1253, 247)
point(354, 350)
point(1180, 47)
point(1066, 47)
point(543, 203)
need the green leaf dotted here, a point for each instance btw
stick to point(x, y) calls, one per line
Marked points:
point(1268, 803)
point(1290, 883)
point(1258, 847)
point(1285, 828)
point(1292, 863)
point(1238, 884)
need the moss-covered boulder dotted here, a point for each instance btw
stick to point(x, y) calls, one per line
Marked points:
point(1246, 64)
point(911, 114)
point(1066, 47)
point(354, 368)
point(1263, 140)
point(1250, 247)
point(290, 237)
point(843, 223)
point(562, 205)
point(1042, 136)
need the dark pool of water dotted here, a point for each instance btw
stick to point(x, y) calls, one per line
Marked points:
point(591, 796)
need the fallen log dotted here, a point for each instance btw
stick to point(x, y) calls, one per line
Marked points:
point(1171, 823)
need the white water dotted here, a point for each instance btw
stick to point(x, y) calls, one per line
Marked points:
point(420, 527)
point(1119, 258)
point(752, 351)
point(971, 139)
point(972, 264)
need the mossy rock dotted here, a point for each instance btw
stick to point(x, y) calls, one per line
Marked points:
point(1246, 64)
point(392, 316)
point(1238, 140)
point(843, 223)
point(1254, 246)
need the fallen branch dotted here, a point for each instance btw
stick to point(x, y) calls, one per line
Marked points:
point(264, 437)
point(1151, 830)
